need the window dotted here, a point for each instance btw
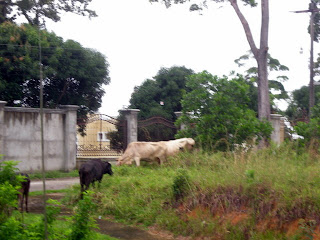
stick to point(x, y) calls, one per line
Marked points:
point(103, 137)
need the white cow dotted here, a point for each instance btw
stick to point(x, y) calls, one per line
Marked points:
point(154, 150)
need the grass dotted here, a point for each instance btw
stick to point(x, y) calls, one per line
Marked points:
point(54, 174)
point(40, 193)
point(61, 225)
point(275, 184)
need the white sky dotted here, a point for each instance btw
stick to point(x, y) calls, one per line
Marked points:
point(138, 38)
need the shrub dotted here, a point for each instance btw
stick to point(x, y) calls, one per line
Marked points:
point(83, 221)
point(181, 184)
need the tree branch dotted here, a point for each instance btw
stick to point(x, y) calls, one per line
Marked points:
point(246, 27)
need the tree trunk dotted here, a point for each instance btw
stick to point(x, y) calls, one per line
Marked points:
point(260, 55)
point(263, 87)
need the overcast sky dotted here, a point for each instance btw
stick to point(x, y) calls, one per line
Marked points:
point(138, 38)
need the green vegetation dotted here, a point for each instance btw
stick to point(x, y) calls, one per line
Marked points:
point(254, 195)
point(220, 118)
point(62, 224)
point(16, 225)
point(64, 83)
point(54, 174)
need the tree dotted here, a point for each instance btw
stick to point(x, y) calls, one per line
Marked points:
point(217, 117)
point(260, 53)
point(160, 96)
point(298, 109)
point(35, 12)
point(72, 74)
point(277, 90)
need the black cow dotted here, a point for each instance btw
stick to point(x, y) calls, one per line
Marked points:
point(92, 171)
point(24, 191)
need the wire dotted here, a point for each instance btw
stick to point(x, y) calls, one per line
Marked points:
point(32, 46)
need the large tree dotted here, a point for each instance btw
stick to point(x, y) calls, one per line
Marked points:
point(277, 90)
point(220, 118)
point(298, 109)
point(260, 52)
point(72, 74)
point(36, 11)
point(160, 96)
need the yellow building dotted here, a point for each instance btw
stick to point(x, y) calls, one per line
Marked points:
point(95, 144)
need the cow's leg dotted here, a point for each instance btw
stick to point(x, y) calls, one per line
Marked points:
point(137, 160)
point(161, 160)
point(20, 198)
point(26, 201)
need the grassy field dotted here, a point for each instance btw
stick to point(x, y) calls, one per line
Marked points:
point(54, 174)
point(268, 194)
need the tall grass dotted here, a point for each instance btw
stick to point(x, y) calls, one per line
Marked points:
point(276, 183)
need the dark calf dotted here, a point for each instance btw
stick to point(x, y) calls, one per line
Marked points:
point(92, 171)
point(24, 191)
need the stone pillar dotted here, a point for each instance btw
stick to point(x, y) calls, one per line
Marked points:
point(131, 115)
point(2, 128)
point(182, 126)
point(70, 136)
point(277, 122)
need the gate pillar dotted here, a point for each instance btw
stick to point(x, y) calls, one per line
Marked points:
point(277, 134)
point(70, 136)
point(131, 115)
point(183, 125)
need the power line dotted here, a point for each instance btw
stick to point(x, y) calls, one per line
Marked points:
point(37, 47)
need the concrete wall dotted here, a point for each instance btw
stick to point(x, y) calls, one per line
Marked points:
point(20, 137)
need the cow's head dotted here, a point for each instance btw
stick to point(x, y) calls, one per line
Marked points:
point(119, 162)
point(187, 144)
point(107, 168)
point(190, 143)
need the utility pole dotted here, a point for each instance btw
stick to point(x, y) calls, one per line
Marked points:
point(313, 10)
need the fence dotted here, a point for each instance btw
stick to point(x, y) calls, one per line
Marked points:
point(20, 137)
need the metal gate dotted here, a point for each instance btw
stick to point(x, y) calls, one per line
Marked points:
point(96, 142)
point(156, 129)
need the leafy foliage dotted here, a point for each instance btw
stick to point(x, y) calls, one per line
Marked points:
point(12, 226)
point(35, 12)
point(277, 90)
point(310, 130)
point(72, 74)
point(181, 184)
point(83, 222)
point(160, 96)
point(298, 108)
point(9, 185)
point(217, 112)
point(200, 3)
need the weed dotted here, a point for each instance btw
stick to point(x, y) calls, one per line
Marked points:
point(83, 221)
point(307, 228)
point(181, 184)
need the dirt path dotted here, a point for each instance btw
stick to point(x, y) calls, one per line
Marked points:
point(113, 229)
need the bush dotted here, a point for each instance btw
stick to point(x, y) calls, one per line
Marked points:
point(9, 185)
point(83, 221)
point(181, 184)
point(220, 118)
